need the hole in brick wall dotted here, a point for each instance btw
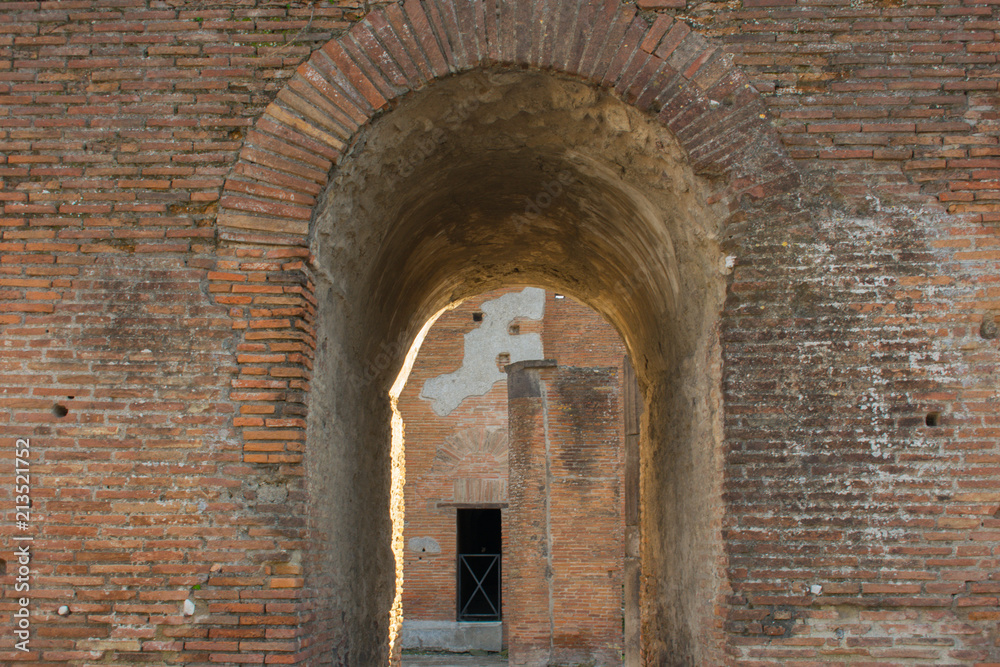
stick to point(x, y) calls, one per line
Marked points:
point(477, 317)
point(3, 566)
point(989, 329)
point(60, 410)
point(503, 359)
point(933, 419)
point(514, 329)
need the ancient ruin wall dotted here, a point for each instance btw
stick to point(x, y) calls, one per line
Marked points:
point(161, 367)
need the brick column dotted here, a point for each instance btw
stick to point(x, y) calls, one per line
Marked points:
point(528, 603)
point(565, 551)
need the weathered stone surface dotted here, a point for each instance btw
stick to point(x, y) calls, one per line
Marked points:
point(452, 636)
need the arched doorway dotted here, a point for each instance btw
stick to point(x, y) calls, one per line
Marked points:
point(529, 202)
point(494, 176)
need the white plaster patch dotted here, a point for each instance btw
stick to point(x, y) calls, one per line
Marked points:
point(424, 545)
point(478, 372)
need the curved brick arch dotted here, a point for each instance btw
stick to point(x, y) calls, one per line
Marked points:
point(663, 68)
point(269, 200)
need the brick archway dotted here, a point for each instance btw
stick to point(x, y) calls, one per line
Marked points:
point(269, 204)
point(665, 69)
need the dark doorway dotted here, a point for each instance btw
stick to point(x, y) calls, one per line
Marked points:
point(479, 550)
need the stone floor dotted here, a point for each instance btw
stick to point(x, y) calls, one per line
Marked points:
point(453, 660)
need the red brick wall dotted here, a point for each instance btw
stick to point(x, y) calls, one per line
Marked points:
point(470, 443)
point(429, 589)
point(574, 335)
point(848, 320)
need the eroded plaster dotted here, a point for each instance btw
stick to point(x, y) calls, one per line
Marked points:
point(479, 370)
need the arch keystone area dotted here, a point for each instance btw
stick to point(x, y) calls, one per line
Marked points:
point(663, 68)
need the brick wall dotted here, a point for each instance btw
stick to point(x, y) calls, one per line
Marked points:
point(469, 443)
point(565, 573)
point(461, 459)
point(180, 344)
